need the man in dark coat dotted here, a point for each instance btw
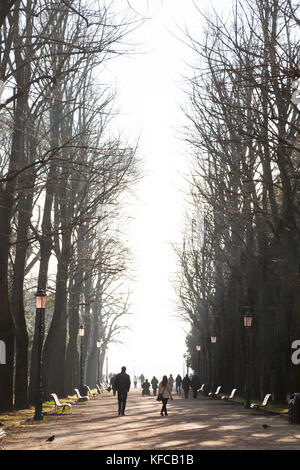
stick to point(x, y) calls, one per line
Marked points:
point(186, 386)
point(178, 382)
point(154, 383)
point(195, 384)
point(122, 385)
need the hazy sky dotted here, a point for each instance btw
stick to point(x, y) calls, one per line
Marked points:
point(150, 95)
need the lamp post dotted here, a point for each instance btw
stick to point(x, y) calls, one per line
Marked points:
point(198, 348)
point(98, 347)
point(247, 325)
point(107, 365)
point(213, 340)
point(81, 334)
point(40, 303)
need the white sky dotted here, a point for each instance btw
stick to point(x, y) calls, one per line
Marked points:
point(150, 96)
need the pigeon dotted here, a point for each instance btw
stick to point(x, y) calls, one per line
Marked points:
point(265, 426)
point(50, 439)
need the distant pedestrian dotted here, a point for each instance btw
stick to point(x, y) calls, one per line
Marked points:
point(122, 385)
point(142, 379)
point(154, 383)
point(186, 383)
point(171, 381)
point(146, 388)
point(178, 382)
point(195, 384)
point(135, 381)
point(113, 383)
point(166, 392)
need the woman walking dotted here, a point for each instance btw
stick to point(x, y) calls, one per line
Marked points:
point(165, 390)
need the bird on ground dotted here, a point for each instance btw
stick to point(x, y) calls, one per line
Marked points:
point(50, 439)
point(265, 426)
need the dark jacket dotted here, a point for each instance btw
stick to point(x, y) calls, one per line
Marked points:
point(186, 383)
point(154, 383)
point(195, 382)
point(122, 382)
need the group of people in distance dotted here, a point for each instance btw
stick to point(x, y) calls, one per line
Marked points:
point(120, 383)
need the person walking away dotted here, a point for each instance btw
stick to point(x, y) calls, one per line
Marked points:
point(146, 388)
point(195, 384)
point(165, 389)
point(113, 384)
point(122, 385)
point(171, 381)
point(186, 383)
point(178, 382)
point(154, 383)
point(142, 379)
point(135, 381)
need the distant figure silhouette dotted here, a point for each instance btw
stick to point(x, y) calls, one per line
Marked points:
point(113, 383)
point(122, 385)
point(195, 384)
point(171, 382)
point(154, 383)
point(178, 382)
point(142, 379)
point(186, 386)
point(146, 388)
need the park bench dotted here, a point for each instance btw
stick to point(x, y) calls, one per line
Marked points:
point(99, 388)
point(80, 398)
point(93, 394)
point(216, 393)
point(264, 403)
point(231, 396)
point(59, 405)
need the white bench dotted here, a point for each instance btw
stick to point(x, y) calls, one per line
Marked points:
point(231, 396)
point(93, 394)
point(59, 405)
point(80, 398)
point(212, 394)
point(265, 402)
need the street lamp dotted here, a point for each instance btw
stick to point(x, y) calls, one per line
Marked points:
point(107, 365)
point(81, 334)
point(198, 348)
point(247, 324)
point(98, 347)
point(187, 357)
point(213, 340)
point(40, 303)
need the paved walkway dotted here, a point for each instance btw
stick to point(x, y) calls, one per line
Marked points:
point(192, 424)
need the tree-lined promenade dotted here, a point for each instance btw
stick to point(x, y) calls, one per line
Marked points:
point(62, 172)
point(192, 424)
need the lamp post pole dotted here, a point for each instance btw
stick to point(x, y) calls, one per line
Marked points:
point(81, 334)
point(107, 366)
point(40, 300)
point(98, 368)
point(213, 340)
point(198, 348)
point(247, 325)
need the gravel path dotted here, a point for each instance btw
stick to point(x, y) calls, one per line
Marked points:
point(192, 424)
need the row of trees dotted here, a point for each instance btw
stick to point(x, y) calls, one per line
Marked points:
point(61, 176)
point(244, 133)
